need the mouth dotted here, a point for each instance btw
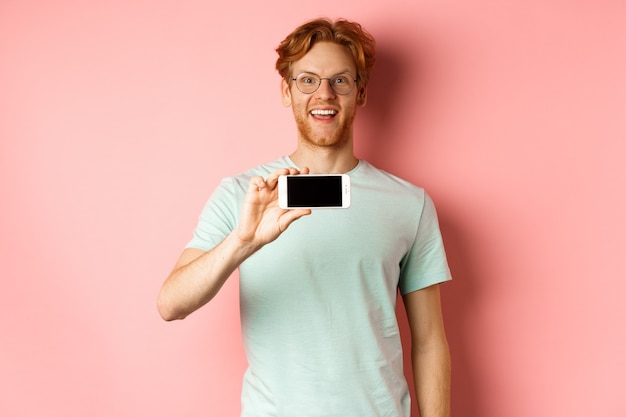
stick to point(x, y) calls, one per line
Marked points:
point(323, 114)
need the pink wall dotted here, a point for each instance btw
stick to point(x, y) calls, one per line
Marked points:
point(118, 118)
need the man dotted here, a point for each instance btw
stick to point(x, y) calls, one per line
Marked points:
point(318, 289)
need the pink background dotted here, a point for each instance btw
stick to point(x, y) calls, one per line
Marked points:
point(118, 118)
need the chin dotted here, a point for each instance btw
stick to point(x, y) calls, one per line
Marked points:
point(330, 137)
point(337, 139)
point(326, 142)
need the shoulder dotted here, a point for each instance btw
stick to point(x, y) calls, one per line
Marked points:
point(242, 179)
point(378, 179)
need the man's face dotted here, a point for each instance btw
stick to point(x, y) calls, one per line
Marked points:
point(323, 118)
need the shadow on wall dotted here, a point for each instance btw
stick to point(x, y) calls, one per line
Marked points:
point(376, 122)
point(379, 141)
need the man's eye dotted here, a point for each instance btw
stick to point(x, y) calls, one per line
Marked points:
point(340, 80)
point(308, 80)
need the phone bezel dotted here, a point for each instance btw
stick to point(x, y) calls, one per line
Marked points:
point(283, 191)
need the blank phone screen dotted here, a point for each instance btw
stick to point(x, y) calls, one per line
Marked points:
point(314, 191)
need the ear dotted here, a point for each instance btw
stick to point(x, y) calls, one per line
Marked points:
point(361, 97)
point(285, 92)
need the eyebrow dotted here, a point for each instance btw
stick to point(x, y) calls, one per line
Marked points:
point(346, 71)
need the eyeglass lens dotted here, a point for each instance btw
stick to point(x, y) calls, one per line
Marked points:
point(309, 83)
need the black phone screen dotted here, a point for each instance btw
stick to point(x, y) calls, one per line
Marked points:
point(314, 191)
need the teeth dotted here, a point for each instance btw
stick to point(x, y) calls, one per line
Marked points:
point(323, 112)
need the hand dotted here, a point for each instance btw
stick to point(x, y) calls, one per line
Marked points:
point(261, 220)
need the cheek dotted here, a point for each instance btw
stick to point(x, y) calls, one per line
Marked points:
point(350, 107)
point(299, 106)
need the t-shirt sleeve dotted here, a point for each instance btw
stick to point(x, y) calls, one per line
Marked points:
point(426, 262)
point(218, 217)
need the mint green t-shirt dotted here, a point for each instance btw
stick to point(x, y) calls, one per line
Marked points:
point(318, 304)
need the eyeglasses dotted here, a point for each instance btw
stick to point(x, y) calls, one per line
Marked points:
point(341, 84)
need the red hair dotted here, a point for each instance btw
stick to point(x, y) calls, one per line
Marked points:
point(343, 32)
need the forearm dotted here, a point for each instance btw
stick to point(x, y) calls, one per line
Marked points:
point(198, 277)
point(431, 372)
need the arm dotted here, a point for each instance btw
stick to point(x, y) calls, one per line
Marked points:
point(198, 275)
point(429, 353)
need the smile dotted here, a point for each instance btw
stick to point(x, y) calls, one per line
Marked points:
point(323, 112)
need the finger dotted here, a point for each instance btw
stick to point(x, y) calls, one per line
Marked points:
point(256, 184)
point(304, 170)
point(273, 177)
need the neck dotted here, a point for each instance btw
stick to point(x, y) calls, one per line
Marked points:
point(321, 160)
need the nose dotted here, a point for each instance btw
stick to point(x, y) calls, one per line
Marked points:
point(325, 90)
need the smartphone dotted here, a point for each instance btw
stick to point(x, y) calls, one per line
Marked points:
point(314, 191)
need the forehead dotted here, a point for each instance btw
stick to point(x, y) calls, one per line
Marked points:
point(326, 58)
